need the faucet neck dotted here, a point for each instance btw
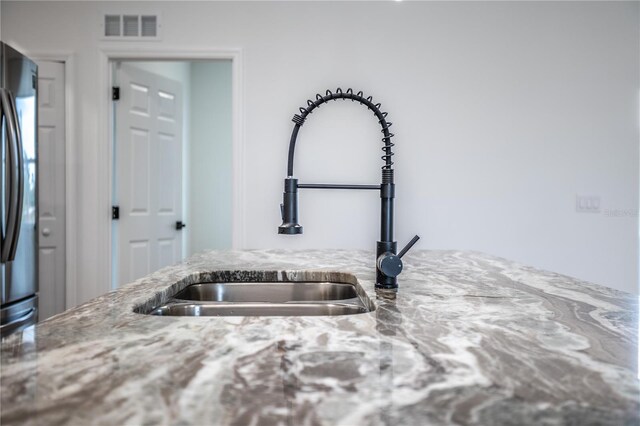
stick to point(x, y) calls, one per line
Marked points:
point(299, 120)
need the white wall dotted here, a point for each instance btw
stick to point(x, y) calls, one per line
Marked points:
point(503, 112)
point(210, 164)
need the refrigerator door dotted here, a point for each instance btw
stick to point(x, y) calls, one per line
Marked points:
point(19, 269)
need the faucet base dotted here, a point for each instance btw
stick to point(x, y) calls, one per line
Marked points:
point(384, 281)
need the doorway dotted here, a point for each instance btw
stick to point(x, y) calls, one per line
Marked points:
point(172, 163)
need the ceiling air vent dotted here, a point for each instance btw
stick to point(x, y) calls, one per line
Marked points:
point(130, 27)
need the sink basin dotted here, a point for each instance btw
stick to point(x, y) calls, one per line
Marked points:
point(266, 298)
point(257, 309)
point(274, 292)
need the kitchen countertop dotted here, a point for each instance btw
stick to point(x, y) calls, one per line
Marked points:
point(469, 339)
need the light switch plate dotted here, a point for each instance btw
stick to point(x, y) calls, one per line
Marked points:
point(588, 203)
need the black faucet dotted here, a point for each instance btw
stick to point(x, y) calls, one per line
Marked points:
point(388, 263)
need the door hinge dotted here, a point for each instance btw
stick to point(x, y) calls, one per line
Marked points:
point(115, 212)
point(115, 93)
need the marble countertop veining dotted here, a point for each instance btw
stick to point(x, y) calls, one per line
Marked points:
point(470, 339)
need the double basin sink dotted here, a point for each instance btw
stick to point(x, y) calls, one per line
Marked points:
point(255, 298)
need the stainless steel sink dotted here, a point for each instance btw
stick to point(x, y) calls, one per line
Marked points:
point(255, 298)
point(257, 309)
point(274, 292)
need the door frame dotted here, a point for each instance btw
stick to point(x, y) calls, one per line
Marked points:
point(106, 56)
point(67, 58)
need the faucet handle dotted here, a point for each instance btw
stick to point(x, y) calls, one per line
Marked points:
point(389, 264)
point(408, 246)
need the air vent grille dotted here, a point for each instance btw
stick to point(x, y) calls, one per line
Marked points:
point(131, 27)
point(112, 25)
point(149, 26)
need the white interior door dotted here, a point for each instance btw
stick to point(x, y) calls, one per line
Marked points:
point(51, 189)
point(148, 172)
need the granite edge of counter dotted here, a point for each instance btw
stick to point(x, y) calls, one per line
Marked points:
point(162, 284)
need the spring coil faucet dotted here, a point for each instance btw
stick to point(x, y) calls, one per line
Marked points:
point(388, 263)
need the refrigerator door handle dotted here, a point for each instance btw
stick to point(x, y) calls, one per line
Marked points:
point(20, 181)
point(14, 179)
point(4, 121)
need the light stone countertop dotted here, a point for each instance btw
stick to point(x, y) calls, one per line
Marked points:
point(470, 339)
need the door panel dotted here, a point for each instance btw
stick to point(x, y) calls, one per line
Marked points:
point(140, 259)
point(140, 169)
point(168, 195)
point(166, 252)
point(148, 172)
point(140, 102)
point(167, 106)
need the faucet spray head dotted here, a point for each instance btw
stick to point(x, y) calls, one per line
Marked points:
point(289, 208)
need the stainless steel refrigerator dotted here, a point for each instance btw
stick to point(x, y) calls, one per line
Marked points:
point(18, 254)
